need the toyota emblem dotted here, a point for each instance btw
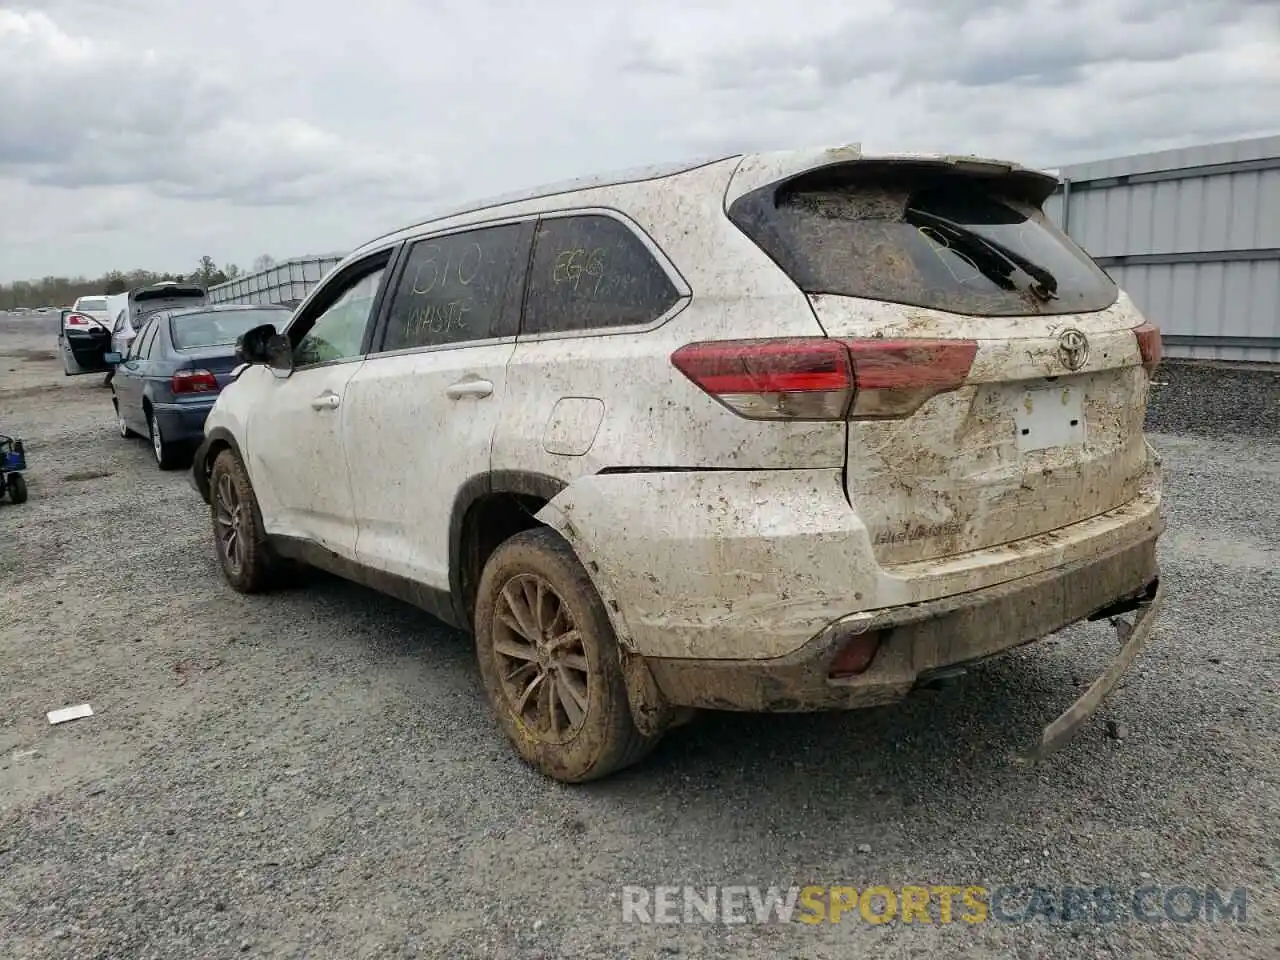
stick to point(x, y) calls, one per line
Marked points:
point(1073, 349)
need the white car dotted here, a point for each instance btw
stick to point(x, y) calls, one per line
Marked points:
point(777, 432)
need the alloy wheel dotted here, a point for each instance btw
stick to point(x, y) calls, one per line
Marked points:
point(228, 519)
point(541, 658)
point(157, 442)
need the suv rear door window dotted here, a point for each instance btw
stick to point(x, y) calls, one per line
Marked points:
point(458, 288)
point(943, 241)
point(592, 272)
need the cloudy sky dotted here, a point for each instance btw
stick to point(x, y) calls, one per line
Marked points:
point(141, 133)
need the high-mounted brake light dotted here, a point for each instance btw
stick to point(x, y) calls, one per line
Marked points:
point(193, 381)
point(1151, 344)
point(815, 378)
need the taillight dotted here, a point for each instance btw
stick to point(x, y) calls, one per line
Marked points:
point(193, 381)
point(806, 378)
point(814, 378)
point(895, 377)
point(78, 320)
point(1150, 344)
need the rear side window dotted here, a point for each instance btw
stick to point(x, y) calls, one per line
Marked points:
point(138, 349)
point(151, 349)
point(458, 288)
point(946, 242)
point(592, 272)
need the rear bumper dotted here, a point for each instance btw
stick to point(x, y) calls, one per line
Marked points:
point(917, 641)
point(183, 422)
point(752, 565)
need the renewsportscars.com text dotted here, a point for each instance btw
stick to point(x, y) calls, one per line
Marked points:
point(933, 904)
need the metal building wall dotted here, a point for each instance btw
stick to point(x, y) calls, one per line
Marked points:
point(1194, 236)
point(290, 280)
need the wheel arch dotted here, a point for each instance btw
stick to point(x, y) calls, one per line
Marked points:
point(487, 509)
point(215, 441)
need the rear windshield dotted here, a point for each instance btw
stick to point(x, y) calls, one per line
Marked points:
point(96, 304)
point(191, 331)
point(946, 242)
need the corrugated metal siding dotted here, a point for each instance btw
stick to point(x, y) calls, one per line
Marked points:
point(290, 280)
point(1217, 205)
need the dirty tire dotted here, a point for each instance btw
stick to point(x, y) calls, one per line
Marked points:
point(17, 485)
point(606, 739)
point(249, 567)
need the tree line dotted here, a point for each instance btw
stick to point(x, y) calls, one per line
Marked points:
point(63, 291)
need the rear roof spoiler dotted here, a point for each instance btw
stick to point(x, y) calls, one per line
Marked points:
point(167, 290)
point(763, 170)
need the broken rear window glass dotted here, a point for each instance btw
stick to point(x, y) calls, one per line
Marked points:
point(947, 242)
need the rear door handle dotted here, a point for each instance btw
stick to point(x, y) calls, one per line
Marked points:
point(326, 401)
point(473, 387)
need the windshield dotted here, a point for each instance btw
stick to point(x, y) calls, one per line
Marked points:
point(191, 331)
point(96, 304)
point(950, 243)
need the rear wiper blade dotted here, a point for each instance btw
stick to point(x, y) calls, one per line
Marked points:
point(1044, 285)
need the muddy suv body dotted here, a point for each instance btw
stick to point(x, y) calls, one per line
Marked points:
point(772, 432)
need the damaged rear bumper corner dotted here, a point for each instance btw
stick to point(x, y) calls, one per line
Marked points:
point(924, 639)
point(1133, 637)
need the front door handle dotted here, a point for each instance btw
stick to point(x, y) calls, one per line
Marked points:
point(469, 388)
point(326, 401)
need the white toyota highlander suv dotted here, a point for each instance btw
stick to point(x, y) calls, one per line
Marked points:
point(775, 432)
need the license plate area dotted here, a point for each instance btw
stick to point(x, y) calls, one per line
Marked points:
point(1048, 416)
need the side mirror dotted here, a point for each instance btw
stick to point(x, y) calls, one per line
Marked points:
point(280, 355)
point(251, 346)
point(111, 358)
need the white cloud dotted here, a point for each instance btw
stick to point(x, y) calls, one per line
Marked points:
point(141, 133)
point(91, 112)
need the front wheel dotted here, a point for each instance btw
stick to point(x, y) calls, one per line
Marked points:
point(549, 659)
point(239, 539)
point(121, 424)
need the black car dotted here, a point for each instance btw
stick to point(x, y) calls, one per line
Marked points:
point(167, 383)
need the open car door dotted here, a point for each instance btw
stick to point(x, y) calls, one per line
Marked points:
point(83, 339)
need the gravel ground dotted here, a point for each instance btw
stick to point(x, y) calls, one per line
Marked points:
point(314, 774)
point(1215, 400)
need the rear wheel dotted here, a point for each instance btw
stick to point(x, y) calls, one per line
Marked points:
point(17, 485)
point(166, 454)
point(239, 539)
point(549, 659)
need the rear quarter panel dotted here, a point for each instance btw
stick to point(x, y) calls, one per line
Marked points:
point(649, 415)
